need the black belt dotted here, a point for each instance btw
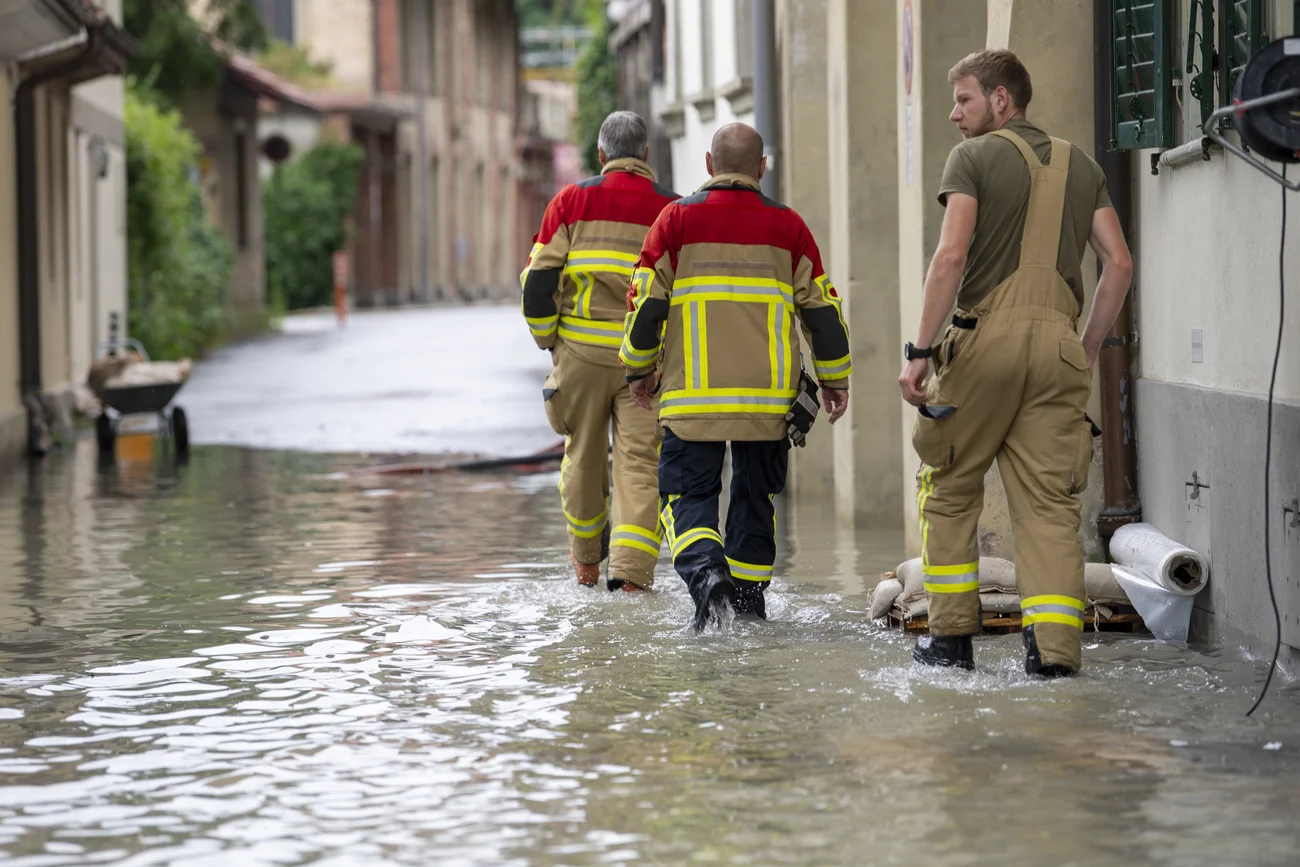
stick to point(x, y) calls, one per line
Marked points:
point(966, 322)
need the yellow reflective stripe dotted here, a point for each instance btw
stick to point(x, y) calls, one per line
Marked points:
point(721, 408)
point(691, 401)
point(964, 587)
point(543, 326)
point(688, 346)
point(596, 260)
point(784, 363)
point(587, 529)
point(632, 536)
point(771, 344)
point(690, 537)
point(1052, 617)
point(960, 569)
point(591, 331)
point(923, 492)
point(642, 280)
point(532, 254)
point(1068, 601)
point(959, 578)
point(703, 346)
point(749, 571)
point(834, 369)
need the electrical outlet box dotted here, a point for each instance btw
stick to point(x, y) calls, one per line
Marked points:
point(1198, 346)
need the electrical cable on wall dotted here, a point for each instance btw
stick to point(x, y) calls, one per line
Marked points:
point(1268, 451)
point(1264, 112)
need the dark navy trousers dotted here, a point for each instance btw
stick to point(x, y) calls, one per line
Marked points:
point(690, 483)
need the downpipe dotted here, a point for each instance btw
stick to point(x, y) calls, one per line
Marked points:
point(1121, 504)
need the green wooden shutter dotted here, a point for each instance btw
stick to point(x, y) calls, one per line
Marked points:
point(1141, 109)
point(1241, 34)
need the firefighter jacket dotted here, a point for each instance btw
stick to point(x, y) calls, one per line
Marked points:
point(714, 298)
point(577, 274)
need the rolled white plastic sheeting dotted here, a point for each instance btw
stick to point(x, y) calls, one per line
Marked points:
point(1161, 578)
point(1144, 549)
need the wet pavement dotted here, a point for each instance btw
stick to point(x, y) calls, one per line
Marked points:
point(268, 657)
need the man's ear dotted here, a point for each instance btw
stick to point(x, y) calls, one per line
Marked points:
point(708, 162)
point(600, 152)
point(762, 167)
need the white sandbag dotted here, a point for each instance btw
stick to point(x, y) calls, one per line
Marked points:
point(996, 574)
point(883, 596)
point(1144, 550)
point(1100, 584)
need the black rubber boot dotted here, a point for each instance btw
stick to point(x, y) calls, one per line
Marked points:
point(749, 601)
point(604, 543)
point(712, 593)
point(948, 651)
point(1034, 664)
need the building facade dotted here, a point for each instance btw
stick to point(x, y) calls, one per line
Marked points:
point(1181, 389)
point(430, 90)
point(62, 207)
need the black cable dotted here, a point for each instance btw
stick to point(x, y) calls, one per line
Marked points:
point(1268, 449)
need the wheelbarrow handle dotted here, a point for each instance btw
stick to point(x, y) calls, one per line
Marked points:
point(121, 343)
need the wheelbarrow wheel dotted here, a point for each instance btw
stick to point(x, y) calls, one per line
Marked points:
point(180, 431)
point(104, 433)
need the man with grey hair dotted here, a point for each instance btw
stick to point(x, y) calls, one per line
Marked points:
point(574, 287)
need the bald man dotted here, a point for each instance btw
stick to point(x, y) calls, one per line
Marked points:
point(722, 279)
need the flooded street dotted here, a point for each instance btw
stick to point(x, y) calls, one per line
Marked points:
point(271, 657)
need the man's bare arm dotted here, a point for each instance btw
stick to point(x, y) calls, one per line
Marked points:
point(943, 279)
point(942, 282)
point(1107, 241)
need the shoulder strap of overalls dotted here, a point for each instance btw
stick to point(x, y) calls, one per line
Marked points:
point(1040, 245)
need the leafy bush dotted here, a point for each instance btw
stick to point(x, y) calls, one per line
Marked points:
point(597, 77)
point(305, 206)
point(177, 265)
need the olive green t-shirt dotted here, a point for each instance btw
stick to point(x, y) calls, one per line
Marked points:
point(992, 171)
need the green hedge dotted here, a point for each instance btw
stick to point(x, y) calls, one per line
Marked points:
point(178, 266)
point(306, 205)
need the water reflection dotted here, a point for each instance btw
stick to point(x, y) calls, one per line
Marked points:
point(266, 658)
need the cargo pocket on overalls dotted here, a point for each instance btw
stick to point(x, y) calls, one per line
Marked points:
point(552, 400)
point(1072, 353)
point(932, 437)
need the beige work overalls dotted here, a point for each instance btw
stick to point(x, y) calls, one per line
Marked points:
point(1020, 382)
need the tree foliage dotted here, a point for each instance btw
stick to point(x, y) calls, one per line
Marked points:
point(544, 13)
point(176, 54)
point(306, 206)
point(177, 265)
point(597, 77)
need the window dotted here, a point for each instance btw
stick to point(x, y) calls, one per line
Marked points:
point(278, 17)
point(1140, 95)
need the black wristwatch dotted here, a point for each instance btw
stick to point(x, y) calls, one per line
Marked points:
point(912, 353)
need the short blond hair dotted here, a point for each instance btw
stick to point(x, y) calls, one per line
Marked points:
point(994, 68)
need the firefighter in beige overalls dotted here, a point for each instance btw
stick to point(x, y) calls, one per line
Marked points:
point(1010, 381)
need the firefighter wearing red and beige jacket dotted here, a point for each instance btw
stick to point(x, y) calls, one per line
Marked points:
point(723, 282)
point(574, 287)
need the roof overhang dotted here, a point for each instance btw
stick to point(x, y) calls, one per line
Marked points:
point(246, 74)
point(43, 34)
point(362, 109)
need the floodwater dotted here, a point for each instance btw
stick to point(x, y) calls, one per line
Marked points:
point(264, 657)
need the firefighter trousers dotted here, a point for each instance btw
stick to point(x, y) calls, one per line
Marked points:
point(690, 484)
point(583, 399)
point(1020, 382)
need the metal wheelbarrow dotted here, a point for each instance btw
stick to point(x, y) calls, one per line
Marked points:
point(150, 399)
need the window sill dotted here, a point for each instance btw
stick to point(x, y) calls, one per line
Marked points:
point(705, 105)
point(740, 93)
point(673, 119)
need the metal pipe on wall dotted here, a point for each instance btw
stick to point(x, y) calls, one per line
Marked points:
point(764, 86)
point(1122, 504)
point(422, 143)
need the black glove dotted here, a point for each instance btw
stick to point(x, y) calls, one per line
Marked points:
point(803, 411)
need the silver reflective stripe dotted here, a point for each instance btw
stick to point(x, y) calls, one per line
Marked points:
point(694, 312)
point(964, 578)
point(780, 347)
point(839, 368)
point(751, 573)
point(585, 261)
point(569, 325)
point(1068, 610)
point(702, 289)
point(749, 400)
